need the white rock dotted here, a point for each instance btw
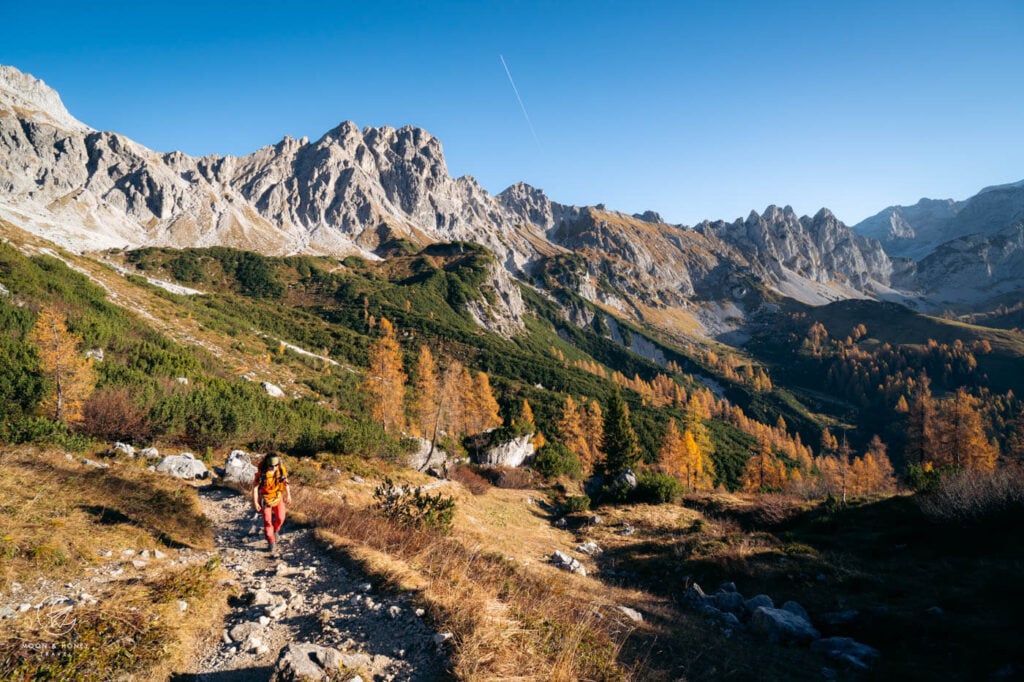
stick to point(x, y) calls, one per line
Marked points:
point(182, 605)
point(273, 390)
point(139, 564)
point(632, 614)
point(394, 611)
point(124, 449)
point(441, 637)
point(149, 453)
point(264, 621)
point(184, 466)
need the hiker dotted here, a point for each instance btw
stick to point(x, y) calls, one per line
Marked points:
point(270, 491)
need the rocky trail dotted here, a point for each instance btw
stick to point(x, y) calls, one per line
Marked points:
point(300, 612)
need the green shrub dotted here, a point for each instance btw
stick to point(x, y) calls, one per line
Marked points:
point(577, 503)
point(656, 488)
point(411, 506)
point(554, 459)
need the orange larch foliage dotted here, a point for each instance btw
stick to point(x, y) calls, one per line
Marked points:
point(71, 376)
point(384, 382)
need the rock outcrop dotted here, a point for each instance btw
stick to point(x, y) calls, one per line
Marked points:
point(512, 453)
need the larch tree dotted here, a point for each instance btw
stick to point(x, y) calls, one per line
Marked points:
point(620, 444)
point(764, 471)
point(680, 456)
point(572, 434)
point(671, 455)
point(962, 442)
point(384, 382)
point(593, 430)
point(426, 396)
point(456, 387)
point(483, 411)
point(526, 414)
point(921, 424)
point(71, 377)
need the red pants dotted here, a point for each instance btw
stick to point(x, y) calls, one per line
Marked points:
point(273, 519)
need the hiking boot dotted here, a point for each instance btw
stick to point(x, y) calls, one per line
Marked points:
point(272, 548)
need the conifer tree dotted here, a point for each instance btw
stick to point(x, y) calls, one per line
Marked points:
point(764, 471)
point(456, 386)
point(620, 444)
point(572, 435)
point(70, 376)
point(384, 383)
point(526, 414)
point(593, 430)
point(962, 442)
point(921, 425)
point(427, 396)
point(483, 408)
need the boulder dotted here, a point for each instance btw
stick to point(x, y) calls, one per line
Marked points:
point(625, 478)
point(730, 602)
point(632, 614)
point(567, 563)
point(590, 548)
point(779, 625)
point(847, 650)
point(124, 449)
point(307, 662)
point(184, 466)
point(96, 465)
point(95, 354)
point(182, 380)
point(239, 471)
point(512, 453)
point(273, 390)
point(796, 609)
point(425, 457)
point(149, 453)
point(754, 603)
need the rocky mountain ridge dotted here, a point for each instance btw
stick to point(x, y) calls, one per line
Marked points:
point(354, 190)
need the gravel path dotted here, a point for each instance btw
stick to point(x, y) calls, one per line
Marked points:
point(304, 596)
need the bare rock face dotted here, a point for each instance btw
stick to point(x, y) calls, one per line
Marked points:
point(511, 454)
point(821, 249)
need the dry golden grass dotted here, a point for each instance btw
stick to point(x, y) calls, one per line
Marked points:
point(513, 616)
point(56, 516)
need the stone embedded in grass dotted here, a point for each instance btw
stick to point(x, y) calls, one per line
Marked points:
point(731, 602)
point(182, 605)
point(567, 563)
point(632, 614)
point(184, 466)
point(590, 548)
point(780, 625)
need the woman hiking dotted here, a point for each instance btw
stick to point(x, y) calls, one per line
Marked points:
point(269, 492)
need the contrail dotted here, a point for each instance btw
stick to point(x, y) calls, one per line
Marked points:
point(520, 100)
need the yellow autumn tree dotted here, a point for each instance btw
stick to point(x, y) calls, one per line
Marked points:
point(680, 456)
point(764, 471)
point(71, 377)
point(456, 387)
point(482, 413)
point(961, 439)
point(593, 432)
point(426, 396)
point(384, 382)
point(526, 414)
point(571, 433)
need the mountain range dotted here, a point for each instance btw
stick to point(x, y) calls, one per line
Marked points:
point(362, 191)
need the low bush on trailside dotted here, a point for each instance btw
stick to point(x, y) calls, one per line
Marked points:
point(414, 507)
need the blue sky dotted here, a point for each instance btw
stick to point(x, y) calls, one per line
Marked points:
point(693, 109)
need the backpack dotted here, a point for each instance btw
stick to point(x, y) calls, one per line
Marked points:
point(272, 484)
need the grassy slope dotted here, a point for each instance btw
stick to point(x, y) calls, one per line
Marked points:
point(57, 517)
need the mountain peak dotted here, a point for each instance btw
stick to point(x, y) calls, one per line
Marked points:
point(31, 98)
